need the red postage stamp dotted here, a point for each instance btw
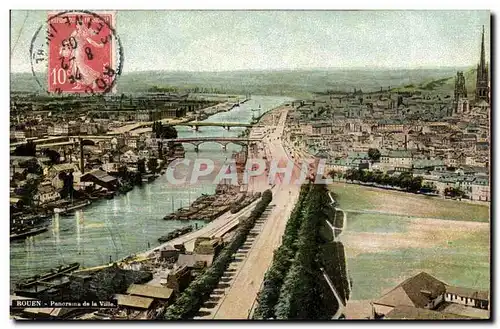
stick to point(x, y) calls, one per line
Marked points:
point(80, 53)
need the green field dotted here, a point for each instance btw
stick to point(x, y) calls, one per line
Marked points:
point(351, 196)
point(385, 248)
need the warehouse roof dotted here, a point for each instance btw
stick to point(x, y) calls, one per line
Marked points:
point(133, 301)
point(150, 291)
point(413, 313)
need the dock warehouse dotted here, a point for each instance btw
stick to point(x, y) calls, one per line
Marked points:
point(100, 178)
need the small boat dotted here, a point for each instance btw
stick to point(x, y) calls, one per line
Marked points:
point(72, 207)
point(24, 233)
point(55, 272)
point(170, 217)
point(175, 233)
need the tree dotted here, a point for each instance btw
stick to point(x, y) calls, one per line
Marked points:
point(386, 179)
point(169, 132)
point(153, 165)
point(160, 150)
point(28, 191)
point(416, 184)
point(162, 131)
point(67, 190)
point(123, 172)
point(350, 174)
point(453, 192)
point(374, 154)
point(377, 176)
point(32, 167)
point(141, 166)
point(429, 187)
point(52, 155)
point(405, 180)
point(28, 149)
point(19, 176)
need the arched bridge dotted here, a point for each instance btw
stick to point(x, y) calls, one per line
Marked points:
point(197, 141)
point(226, 125)
point(193, 124)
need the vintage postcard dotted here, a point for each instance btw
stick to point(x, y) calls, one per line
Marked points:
point(253, 165)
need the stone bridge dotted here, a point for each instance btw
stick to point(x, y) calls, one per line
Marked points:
point(224, 141)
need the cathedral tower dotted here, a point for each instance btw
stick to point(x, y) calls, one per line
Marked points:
point(482, 81)
point(460, 102)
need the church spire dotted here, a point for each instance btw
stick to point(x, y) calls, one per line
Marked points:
point(482, 62)
point(482, 79)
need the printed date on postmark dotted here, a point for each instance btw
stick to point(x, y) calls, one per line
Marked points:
point(81, 52)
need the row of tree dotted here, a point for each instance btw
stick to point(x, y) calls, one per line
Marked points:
point(28, 149)
point(405, 180)
point(282, 260)
point(454, 192)
point(293, 285)
point(301, 293)
point(191, 299)
point(194, 89)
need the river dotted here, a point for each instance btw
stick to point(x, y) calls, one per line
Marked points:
point(131, 223)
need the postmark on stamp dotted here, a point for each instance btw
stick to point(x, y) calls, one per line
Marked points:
point(80, 52)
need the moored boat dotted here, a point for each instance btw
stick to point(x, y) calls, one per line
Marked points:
point(72, 207)
point(176, 233)
point(57, 271)
point(24, 233)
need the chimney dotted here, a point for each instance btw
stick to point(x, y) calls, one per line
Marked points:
point(82, 169)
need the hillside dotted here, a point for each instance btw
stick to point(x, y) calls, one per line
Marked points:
point(443, 85)
point(295, 83)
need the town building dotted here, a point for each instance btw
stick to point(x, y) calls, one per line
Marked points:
point(421, 294)
point(46, 194)
point(480, 189)
point(100, 178)
point(397, 158)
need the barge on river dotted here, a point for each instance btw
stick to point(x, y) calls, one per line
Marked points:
point(18, 234)
point(51, 274)
point(72, 207)
point(176, 233)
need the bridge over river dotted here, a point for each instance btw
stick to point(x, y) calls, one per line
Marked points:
point(197, 141)
point(225, 125)
point(181, 123)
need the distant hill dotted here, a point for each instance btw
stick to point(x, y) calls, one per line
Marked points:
point(295, 83)
point(470, 81)
point(443, 85)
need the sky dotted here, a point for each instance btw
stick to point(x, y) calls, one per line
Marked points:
point(276, 40)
